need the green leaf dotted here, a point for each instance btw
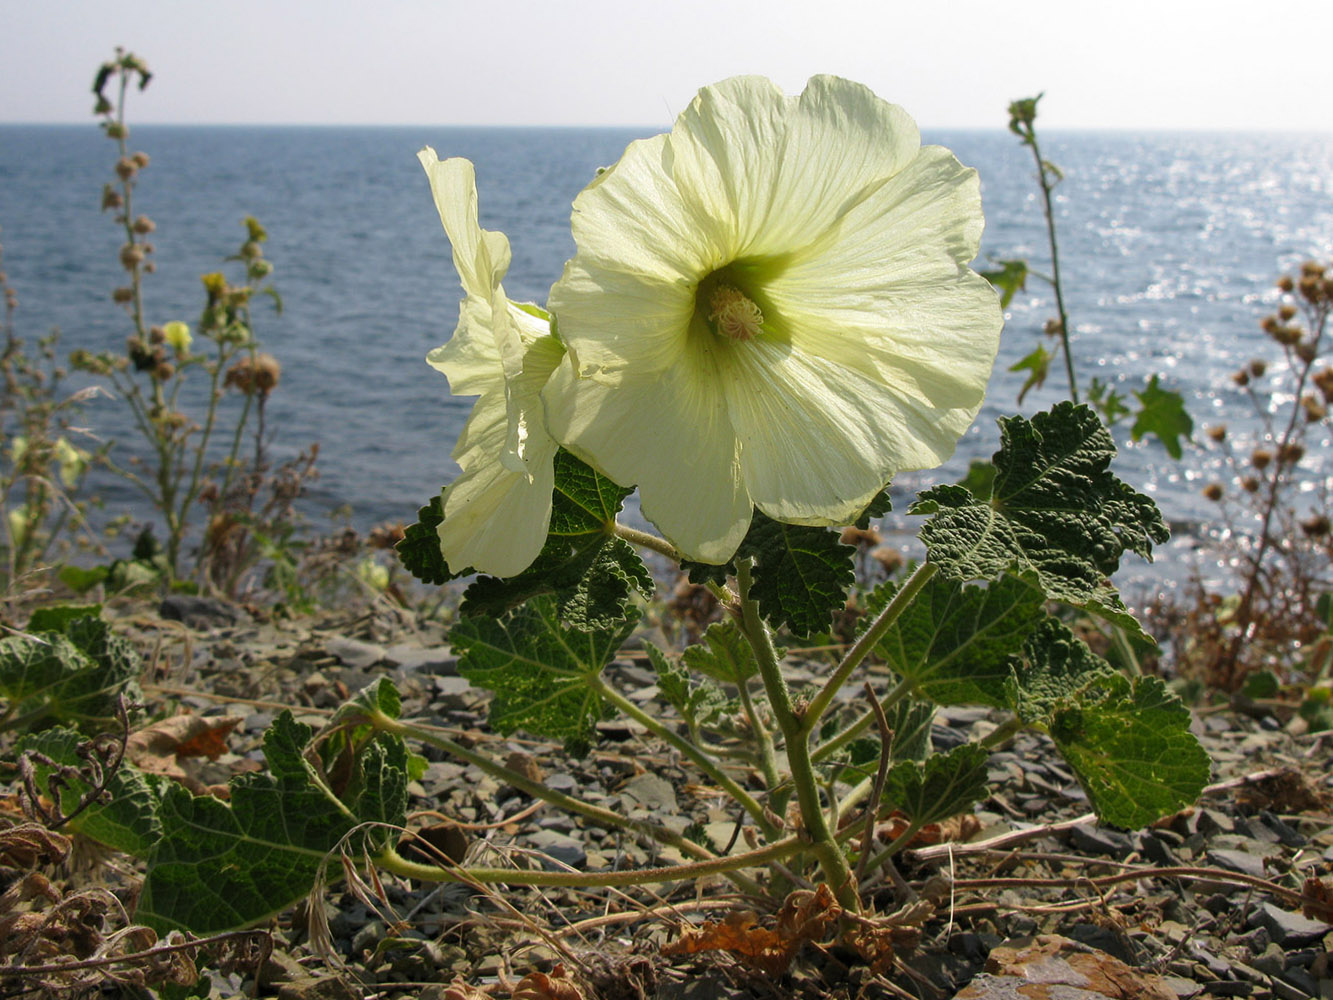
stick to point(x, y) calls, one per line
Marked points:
point(82, 580)
point(58, 619)
point(801, 573)
point(1162, 414)
point(221, 866)
point(1261, 684)
point(944, 785)
point(880, 504)
point(723, 654)
point(592, 573)
point(1058, 666)
point(1011, 278)
point(75, 676)
point(1107, 401)
point(1130, 745)
point(699, 703)
point(1056, 510)
point(1037, 365)
point(959, 644)
point(909, 721)
point(419, 548)
point(980, 478)
point(126, 820)
point(543, 673)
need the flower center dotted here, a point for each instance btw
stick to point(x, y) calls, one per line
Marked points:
point(733, 315)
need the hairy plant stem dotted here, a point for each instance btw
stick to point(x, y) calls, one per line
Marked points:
point(391, 861)
point(862, 647)
point(701, 759)
point(768, 758)
point(645, 540)
point(832, 861)
point(604, 817)
point(1044, 180)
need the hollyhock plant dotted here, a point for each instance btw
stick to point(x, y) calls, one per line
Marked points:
point(496, 512)
point(771, 306)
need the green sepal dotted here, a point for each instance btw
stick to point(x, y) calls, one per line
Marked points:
point(222, 866)
point(1056, 510)
point(943, 785)
point(540, 670)
point(593, 574)
point(958, 644)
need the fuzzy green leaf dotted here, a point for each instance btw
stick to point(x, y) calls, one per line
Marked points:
point(1038, 366)
point(592, 573)
point(944, 785)
point(74, 675)
point(1056, 510)
point(699, 703)
point(126, 820)
point(221, 866)
point(540, 670)
point(909, 721)
point(1162, 414)
point(723, 654)
point(419, 548)
point(1057, 665)
point(958, 644)
point(880, 504)
point(1130, 745)
point(801, 573)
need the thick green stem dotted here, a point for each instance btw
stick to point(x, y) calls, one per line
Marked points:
point(862, 647)
point(768, 759)
point(825, 847)
point(391, 861)
point(701, 760)
point(1002, 733)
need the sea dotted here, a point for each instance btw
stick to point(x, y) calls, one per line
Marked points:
point(1170, 244)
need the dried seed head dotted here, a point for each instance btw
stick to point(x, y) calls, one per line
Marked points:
point(1249, 484)
point(1287, 335)
point(144, 225)
point(1290, 454)
point(1257, 367)
point(131, 256)
point(1260, 458)
point(1241, 378)
point(156, 335)
point(1269, 324)
point(122, 295)
point(163, 371)
point(1286, 312)
point(1053, 327)
point(1285, 283)
point(125, 168)
point(140, 160)
point(1317, 526)
point(1314, 409)
point(1218, 432)
point(1213, 491)
point(1305, 350)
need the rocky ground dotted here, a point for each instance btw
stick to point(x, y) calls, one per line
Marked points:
point(1206, 904)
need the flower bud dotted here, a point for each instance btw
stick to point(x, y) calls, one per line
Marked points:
point(131, 256)
point(1249, 484)
point(150, 267)
point(103, 106)
point(1260, 458)
point(111, 199)
point(114, 130)
point(177, 336)
point(163, 371)
point(1257, 367)
point(155, 335)
point(251, 250)
point(267, 373)
point(140, 160)
point(1213, 491)
point(125, 168)
point(122, 295)
point(144, 225)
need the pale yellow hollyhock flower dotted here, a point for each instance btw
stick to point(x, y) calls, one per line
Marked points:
point(496, 513)
point(73, 462)
point(177, 336)
point(771, 306)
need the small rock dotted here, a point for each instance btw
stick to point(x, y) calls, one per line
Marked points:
point(453, 693)
point(1100, 840)
point(354, 653)
point(408, 658)
point(1057, 962)
point(1288, 929)
point(322, 988)
point(201, 613)
point(1238, 861)
point(653, 792)
point(558, 847)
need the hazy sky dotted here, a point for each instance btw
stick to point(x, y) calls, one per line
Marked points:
point(1103, 63)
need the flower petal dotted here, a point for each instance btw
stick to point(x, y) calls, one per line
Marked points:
point(667, 433)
